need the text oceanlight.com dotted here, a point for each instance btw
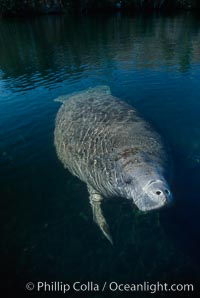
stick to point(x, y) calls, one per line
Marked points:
point(59, 286)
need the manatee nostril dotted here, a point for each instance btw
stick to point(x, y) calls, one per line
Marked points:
point(158, 192)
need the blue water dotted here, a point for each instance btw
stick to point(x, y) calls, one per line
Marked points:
point(151, 62)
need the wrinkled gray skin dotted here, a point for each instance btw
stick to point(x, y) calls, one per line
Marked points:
point(104, 142)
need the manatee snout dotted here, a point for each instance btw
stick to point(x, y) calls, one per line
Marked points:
point(156, 194)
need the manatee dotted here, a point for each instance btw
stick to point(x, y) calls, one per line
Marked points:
point(105, 143)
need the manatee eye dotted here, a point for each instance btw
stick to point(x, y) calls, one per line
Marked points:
point(128, 180)
point(167, 191)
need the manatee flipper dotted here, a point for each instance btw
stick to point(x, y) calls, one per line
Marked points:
point(98, 217)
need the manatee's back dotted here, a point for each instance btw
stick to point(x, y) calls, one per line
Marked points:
point(94, 129)
point(80, 127)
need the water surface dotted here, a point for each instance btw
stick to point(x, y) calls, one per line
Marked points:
point(151, 62)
